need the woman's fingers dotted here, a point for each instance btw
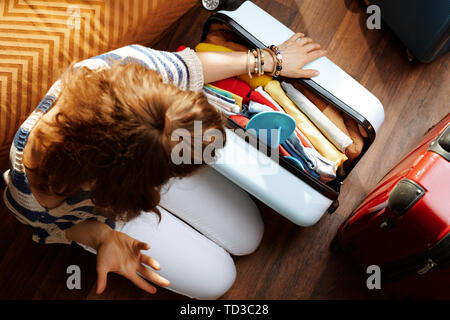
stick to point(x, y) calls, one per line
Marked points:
point(308, 73)
point(102, 275)
point(141, 283)
point(150, 262)
point(305, 41)
point(153, 276)
point(311, 47)
point(296, 36)
point(139, 245)
point(313, 55)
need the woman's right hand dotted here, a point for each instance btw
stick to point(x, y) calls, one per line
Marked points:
point(117, 252)
point(298, 51)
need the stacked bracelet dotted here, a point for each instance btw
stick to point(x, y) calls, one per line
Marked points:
point(277, 60)
point(258, 55)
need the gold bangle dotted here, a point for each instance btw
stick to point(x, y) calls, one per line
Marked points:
point(258, 67)
point(255, 55)
point(248, 64)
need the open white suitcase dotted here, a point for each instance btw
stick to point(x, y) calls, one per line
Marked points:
point(284, 187)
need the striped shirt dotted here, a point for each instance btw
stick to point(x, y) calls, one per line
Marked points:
point(182, 69)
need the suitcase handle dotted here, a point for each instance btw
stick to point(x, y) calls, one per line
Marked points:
point(404, 195)
point(441, 145)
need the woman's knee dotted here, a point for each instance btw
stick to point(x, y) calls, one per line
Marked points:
point(217, 208)
point(194, 265)
point(246, 227)
point(211, 281)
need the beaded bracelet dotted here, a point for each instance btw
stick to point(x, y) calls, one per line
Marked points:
point(278, 66)
point(261, 62)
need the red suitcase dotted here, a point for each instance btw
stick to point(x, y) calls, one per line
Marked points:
point(403, 225)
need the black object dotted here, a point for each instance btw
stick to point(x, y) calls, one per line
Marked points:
point(422, 25)
point(404, 195)
point(442, 144)
point(216, 5)
point(2, 183)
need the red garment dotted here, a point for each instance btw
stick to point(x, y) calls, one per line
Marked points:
point(259, 98)
point(180, 48)
point(235, 86)
point(240, 119)
point(283, 152)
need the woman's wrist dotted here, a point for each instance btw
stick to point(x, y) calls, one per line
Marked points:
point(91, 233)
point(268, 61)
point(104, 233)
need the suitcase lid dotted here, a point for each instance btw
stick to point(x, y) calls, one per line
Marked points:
point(260, 29)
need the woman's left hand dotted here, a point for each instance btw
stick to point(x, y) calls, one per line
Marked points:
point(121, 254)
point(296, 53)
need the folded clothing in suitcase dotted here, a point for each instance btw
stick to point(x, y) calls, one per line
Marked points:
point(403, 225)
point(281, 183)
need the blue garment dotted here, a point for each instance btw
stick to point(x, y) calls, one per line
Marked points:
point(246, 113)
point(300, 159)
point(299, 150)
point(48, 224)
point(316, 162)
point(297, 162)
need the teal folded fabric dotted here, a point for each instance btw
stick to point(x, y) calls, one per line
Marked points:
point(221, 92)
point(220, 96)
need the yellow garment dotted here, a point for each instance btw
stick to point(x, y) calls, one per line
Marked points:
point(325, 148)
point(237, 99)
point(206, 47)
point(254, 82)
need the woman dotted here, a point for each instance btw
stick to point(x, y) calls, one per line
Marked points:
point(95, 158)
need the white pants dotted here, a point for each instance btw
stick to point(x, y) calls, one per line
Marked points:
point(204, 218)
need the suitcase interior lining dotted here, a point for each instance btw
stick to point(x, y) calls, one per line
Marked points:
point(305, 85)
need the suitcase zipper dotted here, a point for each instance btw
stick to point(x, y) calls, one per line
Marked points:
point(430, 264)
point(437, 257)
